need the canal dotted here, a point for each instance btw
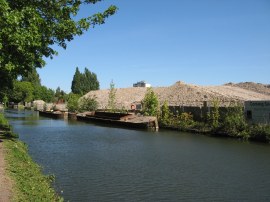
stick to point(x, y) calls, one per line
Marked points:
point(101, 163)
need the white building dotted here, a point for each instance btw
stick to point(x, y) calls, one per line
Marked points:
point(258, 111)
point(142, 84)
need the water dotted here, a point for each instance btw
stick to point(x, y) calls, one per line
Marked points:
point(98, 163)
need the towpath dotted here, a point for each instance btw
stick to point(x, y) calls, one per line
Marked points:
point(5, 181)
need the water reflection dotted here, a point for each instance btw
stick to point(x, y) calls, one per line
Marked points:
point(97, 163)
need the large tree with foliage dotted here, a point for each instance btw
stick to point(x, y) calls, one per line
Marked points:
point(84, 82)
point(76, 82)
point(44, 93)
point(32, 77)
point(91, 81)
point(29, 29)
point(22, 92)
point(59, 95)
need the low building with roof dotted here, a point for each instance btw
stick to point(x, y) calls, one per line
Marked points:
point(142, 84)
point(257, 111)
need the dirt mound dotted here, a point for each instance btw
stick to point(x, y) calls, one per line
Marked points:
point(124, 96)
point(186, 94)
point(251, 86)
point(181, 94)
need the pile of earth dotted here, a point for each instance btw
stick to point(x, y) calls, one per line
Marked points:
point(251, 86)
point(181, 94)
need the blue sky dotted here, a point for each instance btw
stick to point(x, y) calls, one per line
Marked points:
point(204, 42)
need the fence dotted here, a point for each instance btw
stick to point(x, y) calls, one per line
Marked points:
point(199, 112)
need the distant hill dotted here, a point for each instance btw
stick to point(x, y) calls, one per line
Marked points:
point(181, 94)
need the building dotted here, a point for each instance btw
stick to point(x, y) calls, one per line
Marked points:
point(258, 111)
point(142, 84)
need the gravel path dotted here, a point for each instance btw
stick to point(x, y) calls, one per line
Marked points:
point(5, 181)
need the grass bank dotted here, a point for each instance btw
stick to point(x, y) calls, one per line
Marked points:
point(29, 182)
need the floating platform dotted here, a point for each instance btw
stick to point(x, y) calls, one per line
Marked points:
point(53, 114)
point(129, 120)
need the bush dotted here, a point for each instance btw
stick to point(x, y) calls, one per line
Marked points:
point(88, 104)
point(260, 132)
point(6, 128)
point(10, 134)
point(165, 116)
point(185, 120)
point(73, 104)
point(234, 122)
point(213, 116)
point(5, 101)
point(3, 122)
point(150, 103)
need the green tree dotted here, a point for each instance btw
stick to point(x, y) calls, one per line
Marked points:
point(29, 31)
point(76, 82)
point(32, 77)
point(82, 83)
point(112, 97)
point(59, 95)
point(90, 80)
point(22, 91)
point(150, 103)
point(73, 102)
point(5, 101)
point(44, 93)
point(165, 114)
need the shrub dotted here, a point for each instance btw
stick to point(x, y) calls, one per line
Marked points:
point(213, 116)
point(150, 103)
point(5, 101)
point(10, 134)
point(234, 122)
point(88, 104)
point(6, 128)
point(73, 104)
point(3, 121)
point(165, 116)
point(185, 120)
point(260, 132)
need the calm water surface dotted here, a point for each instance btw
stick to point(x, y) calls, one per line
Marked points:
point(98, 163)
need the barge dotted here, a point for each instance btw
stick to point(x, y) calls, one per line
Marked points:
point(129, 120)
point(53, 114)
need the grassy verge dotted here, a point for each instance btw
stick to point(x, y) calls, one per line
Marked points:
point(30, 183)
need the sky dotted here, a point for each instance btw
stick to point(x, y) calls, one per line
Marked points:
point(198, 42)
